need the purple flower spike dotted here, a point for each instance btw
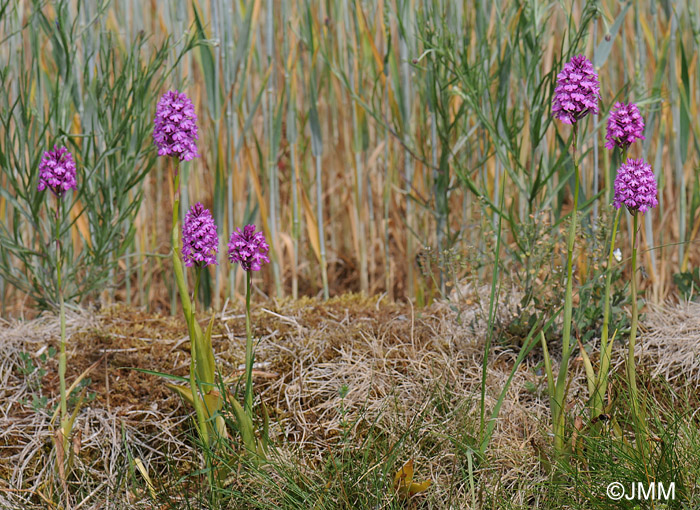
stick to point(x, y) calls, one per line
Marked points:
point(175, 128)
point(248, 248)
point(200, 244)
point(57, 171)
point(577, 91)
point(635, 186)
point(625, 126)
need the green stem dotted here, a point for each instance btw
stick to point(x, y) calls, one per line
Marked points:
point(175, 254)
point(248, 350)
point(187, 306)
point(62, 314)
point(295, 221)
point(601, 383)
point(558, 402)
point(176, 213)
point(188, 309)
point(197, 279)
point(637, 409)
point(194, 382)
point(598, 397)
point(321, 235)
point(633, 327)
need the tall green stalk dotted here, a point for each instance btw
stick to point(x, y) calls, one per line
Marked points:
point(174, 237)
point(321, 234)
point(295, 219)
point(317, 153)
point(62, 314)
point(358, 148)
point(631, 373)
point(244, 414)
point(639, 414)
point(194, 383)
point(273, 177)
point(187, 307)
point(291, 133)
point(406, 107)
point(558, 402)
point(248, 350)
point(386, 193)
point(600, 385)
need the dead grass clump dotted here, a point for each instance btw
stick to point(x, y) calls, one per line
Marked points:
point(670, 344)
point(412, 377)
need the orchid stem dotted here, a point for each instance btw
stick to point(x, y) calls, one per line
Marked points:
point(598, 397)
point(62, 315)
point(637, 406)
point(559, 400)
point(248, 349)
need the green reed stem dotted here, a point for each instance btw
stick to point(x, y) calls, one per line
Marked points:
point(321, 234)
point(248, 349)
point(295, 220)
point(386, 195)
point(273, 176)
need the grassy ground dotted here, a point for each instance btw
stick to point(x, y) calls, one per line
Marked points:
point(355, 388)
point(394, 147)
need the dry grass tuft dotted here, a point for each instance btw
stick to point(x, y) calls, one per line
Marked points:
point(670, 346)
point(404, 369)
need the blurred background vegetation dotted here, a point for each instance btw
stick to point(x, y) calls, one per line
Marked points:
point(378, 143)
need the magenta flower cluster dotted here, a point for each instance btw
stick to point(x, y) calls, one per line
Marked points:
point(57, 171)
point(575, 96)
point(248, 248)
point(200, 243)
point(577, 91)
point(175, 131)
point(635, 186)
point(625, 126)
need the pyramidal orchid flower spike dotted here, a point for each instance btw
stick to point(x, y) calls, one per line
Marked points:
point(577, 91)
point(57, 171)
point(200, 242)
point(625, 126)
point(576, 95)
point(248, 248)
point(635, 186)
point(175, 130)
